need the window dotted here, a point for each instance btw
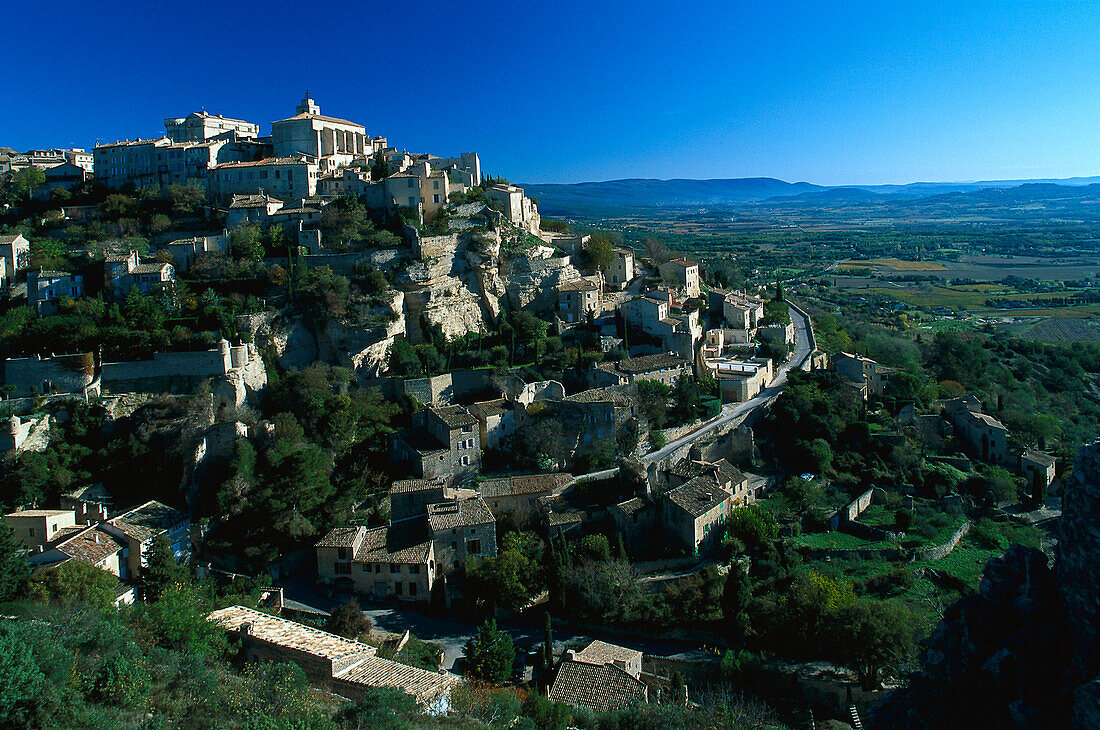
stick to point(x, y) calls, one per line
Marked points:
point(470, 444)
point(461, 445)
point(397, 587)
point(465, 461)
point(342, 553)
point(467, 429)
point(342, 568)
point(53, 528)
point(474, 547)
point(395, 568)
point(435, 186)
point(377, 568)
point(412, 589)
point(435, 198)
point(414, 569)
point(454, 546)
point(277, 173)
point(30, 532)
point(411, 182)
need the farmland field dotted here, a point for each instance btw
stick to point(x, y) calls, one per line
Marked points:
point(1058, 330)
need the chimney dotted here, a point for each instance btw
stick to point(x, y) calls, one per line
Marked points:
point(246, 628)
point(620, 663)
point(570, 655)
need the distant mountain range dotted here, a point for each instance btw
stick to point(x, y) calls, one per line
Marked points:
point(640, 193)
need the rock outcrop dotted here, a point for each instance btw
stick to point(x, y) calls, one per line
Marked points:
point(1022, 652)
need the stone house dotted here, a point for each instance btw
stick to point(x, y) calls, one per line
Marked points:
point(739, 378)
point(657, 314)
point(411, 497)
point(593, 415)
point(601, 677)
point(138, 526)
point(461, 529)
point(684, 273)
point(251, 208)
point(739, 311)
point(184, 251)
point(201, 126)
point(693, 513)
point(496, 421)
point(517, 496)
point(285, 177)
point(15, 251)
point(983, 434)
point(133, 163)
point(621, 271)
point(636, 520)
point(664, 367)
point(516, 207)
point(124, 272)
point(342, 666)
point(866, 374)
point(32, 434)
point(66, 176)
point(46, 288)
point(443, 442)
point(1039, 468)
point(728, 477)
point(394, 562)
point(578, 300)
point(35, 528)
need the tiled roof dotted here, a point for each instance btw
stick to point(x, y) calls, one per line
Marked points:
point(453, 416)
point(133, 142)
point(1039, 457)
point(697, 496)
point(150, 268)
point(91, 546)
point(340, 537)
point(265, 161)
point(320, 117)
point(39, 513)
point(684, 262)
point(490, 407)
point(528, 484)
point(632, 505)
point(252, 201)
point(599, 688)
point(600, 395)
point(397, 543)
point(145, 521)
point(459, 513)
point(427, 687)
point(290, 634)
point(403, 486)
point(560, 512)
point(649, 363)
point(6, 239)
point(422, 441)
point(581, 284)
point(600, 652)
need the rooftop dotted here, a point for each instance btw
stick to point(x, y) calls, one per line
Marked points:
point(490, 407)
point(1039, 457)
point(600, 652)
point(261, 200)
point(459, 513)
point(415, 485)
point(403, 542)
point(684, 262)
point(582, 284)
point(290, 634)
point(647, 363)
point(340, 537)
point(453, 416)
point(39, 513)
point(142, 523)
point(630, 506)
point(697, 496)
point(600, 687)
point(529, 484)
point(320, 117)
point(263, 162)
point(600, 395)
point(427, 687)
point(90, 546)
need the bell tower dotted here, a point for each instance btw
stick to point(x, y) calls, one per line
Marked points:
point(308, 105)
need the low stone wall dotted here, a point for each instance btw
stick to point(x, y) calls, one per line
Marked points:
point(854, 553)
point(940, 551)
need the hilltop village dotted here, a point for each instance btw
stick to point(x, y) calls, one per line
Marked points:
point(310, 370)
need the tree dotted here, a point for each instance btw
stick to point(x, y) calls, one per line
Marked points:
point(871, 636)
point(657, 251)
point(23, 683)
point(753, 525)
point(380, 707)
point(344, 220)
point(162, 569)
point(547, 647)
point(507, 580)
point(177, 620)
point(75, 582)
point(490, 654)
point(599, 251)
point(27, 180)
point(349, 621)
point(736, 596)
point(187, 198)
point(14, 571)
point(244, 243)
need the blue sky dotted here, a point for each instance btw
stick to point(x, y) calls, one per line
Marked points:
point(829, 92)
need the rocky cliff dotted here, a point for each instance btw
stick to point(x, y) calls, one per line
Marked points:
point(1022, 652)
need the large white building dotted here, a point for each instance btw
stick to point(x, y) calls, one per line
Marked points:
point(310, 133)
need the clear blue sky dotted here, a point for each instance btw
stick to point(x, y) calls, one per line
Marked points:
point(830, 92)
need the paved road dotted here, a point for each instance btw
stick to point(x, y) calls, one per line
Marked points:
point(734, 411)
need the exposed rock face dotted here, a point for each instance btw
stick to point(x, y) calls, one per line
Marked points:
point(1023, 651)
point(532, 283)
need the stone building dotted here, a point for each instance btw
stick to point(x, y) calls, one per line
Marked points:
point(1038, 468)
point(621, 271)
point(201, 126)
point(496, 421)
point(251, 208)
point(517, 496)
point(287, 178)
point(693, 513)
point(184, 251)
point(684, 274)
point(592, 415)
point(868, 376)
point(342, 666)
point(444, 441)
point(517, 207)
point(984, 435)
point(138, 526)
point(578, 300)
point(130, 164)
point(15, 250)
point(601, 677)
point(123, 272)
point(461, 529)
point(657, 313)
point(739, 378)
point(331, 142)
point(664, 367)
point(394, 562)
point(45, 289)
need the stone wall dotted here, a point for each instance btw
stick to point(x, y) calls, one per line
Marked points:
point(61, 374)
point(940, 551)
